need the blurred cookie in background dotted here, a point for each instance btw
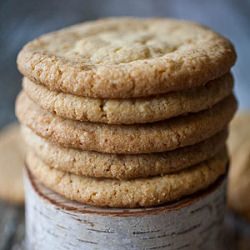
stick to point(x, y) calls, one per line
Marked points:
point(12, 150)
point(239, 174)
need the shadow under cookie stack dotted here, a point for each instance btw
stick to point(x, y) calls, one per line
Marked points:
point(126, 121)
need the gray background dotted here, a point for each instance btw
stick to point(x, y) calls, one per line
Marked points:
point(21, 21)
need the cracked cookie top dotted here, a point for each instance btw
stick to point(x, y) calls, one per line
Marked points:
point(127, 57)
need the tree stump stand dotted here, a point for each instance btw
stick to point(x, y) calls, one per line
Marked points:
point(52, 222)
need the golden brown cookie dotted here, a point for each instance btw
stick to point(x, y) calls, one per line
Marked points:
point(240, 131)
point(146, 138)
point(127, 57)
point(94, 164)
point(12, 150)
point(130, 111)
point(239, 174)
point(142, 192)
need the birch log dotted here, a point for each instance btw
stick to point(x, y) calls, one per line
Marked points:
point(54, 223)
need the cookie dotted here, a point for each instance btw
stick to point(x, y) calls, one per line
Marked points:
point(130, 111)
point(240, 131)
point(127, 57)
point(94, 164)
point(11, 165)
point(239, 174)
point(146, 138)
point(142, 192)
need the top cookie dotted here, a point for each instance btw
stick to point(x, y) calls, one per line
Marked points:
point(127, 57)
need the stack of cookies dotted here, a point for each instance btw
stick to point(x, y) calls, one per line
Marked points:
point(127, 112)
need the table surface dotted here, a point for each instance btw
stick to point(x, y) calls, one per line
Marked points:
point(12, 230)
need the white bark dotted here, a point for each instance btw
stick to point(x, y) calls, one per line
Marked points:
point(53, 223)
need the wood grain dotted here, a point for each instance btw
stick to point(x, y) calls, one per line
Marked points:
point(11, 226)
